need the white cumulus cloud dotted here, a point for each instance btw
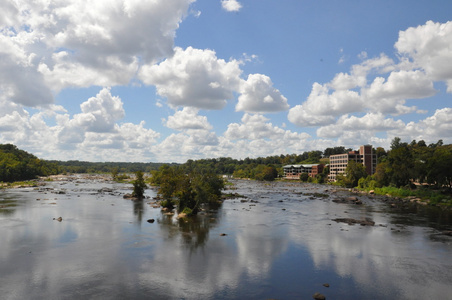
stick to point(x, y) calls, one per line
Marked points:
point(429, 47)
point(187, 118)
point(381, 86)
point(100, 113)
point(195, 78)
point(46, 46)
point(231, 5)
point(259, 96)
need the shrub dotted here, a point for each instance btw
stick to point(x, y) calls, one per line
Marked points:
point(304, 177)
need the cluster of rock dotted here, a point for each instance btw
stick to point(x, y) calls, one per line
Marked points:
point(348, 200)
point(350, 221)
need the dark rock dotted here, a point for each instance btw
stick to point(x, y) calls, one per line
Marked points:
point(151, 221)
point(318, 296)
point(348, 200)
point(351, 221)
point(223, 234)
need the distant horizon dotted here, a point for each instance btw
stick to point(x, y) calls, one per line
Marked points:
point(168, 81)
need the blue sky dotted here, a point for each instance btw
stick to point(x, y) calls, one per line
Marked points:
point(171, 80)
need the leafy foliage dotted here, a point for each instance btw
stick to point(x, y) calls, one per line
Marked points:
point(139, 185)
point(75, 166)
point(187, 190)
point(353, 173)
point(304, 177)
point(17, 165)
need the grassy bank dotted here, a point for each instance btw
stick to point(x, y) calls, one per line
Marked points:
point(426, 195)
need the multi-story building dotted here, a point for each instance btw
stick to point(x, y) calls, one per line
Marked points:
point(365, 156)
point(294, 171)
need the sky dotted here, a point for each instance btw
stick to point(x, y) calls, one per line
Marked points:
point(172, 80)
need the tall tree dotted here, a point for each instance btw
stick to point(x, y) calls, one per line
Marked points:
point(139, 185)
point(354, 172)
point(401, 165)
point(440, 167)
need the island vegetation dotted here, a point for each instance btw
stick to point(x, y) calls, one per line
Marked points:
point(187, 188)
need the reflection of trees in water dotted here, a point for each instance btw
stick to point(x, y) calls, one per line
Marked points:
point(138, 208)
point(412, 215)
point(194, 230)
point(7, 207)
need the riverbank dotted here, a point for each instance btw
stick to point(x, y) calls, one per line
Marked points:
point(405, 197)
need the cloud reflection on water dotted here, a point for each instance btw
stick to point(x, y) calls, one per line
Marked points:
point(105, 248)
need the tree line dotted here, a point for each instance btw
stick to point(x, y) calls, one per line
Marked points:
point(19, 165)
point(403, 164)
point(76, 166)
point(408, 163)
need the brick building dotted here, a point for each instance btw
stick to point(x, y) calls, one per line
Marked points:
point(365, 156)
point(294, 171)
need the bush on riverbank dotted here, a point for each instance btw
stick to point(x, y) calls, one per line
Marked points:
point(426, 194)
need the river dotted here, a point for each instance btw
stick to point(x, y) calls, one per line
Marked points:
point(280, 242)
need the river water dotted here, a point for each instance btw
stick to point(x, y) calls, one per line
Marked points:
point(278, 243)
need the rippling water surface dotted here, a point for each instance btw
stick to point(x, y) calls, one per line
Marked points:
point(281, 242)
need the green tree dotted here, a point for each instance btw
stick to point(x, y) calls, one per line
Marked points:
point(114, 173)
point(401, 165)
point(16, 165)
point(139, 185)
point(353, 173)
point(335, 150)
point(304, 177)
point(382, 174)
point(421, 156)
point(266, 173)
point(187, 191)
point(440, 167)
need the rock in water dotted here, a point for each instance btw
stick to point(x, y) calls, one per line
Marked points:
point(318, 296)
